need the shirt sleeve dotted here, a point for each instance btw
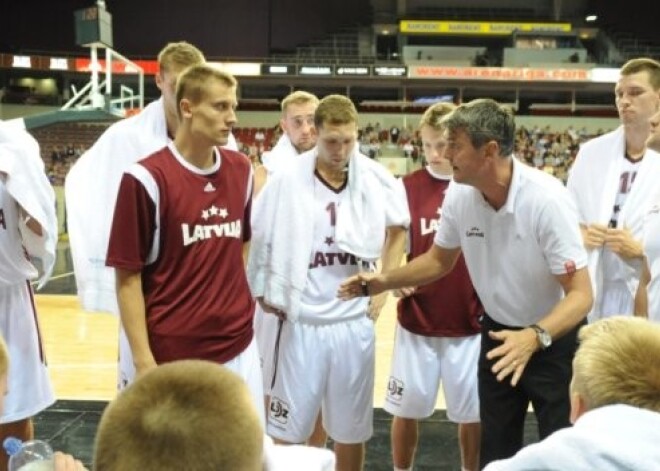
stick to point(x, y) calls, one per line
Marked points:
point(448, 236)
point(133, 226)
point(396, 208)
point(559, 235)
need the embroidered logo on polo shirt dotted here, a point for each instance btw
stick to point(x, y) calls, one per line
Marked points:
point(209, 188)
point(569, 266)
point(474, 232)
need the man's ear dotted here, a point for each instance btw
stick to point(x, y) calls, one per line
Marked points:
point(492, 149)
point(159, 81)
point(185, 106)
point(578, 406)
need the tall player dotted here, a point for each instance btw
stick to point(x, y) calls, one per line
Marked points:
point(28, 225)
point(179, 229)
point(325, 217)
point(437, 336)
point(614, 182)
point(299, 135)
point(90, 200)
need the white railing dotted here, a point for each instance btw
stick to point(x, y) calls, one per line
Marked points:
point(90, 96)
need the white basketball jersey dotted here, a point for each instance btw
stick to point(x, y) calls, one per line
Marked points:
point(328, 265)
point(14, 264)
point(612, 262)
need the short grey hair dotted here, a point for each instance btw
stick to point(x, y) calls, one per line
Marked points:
point(484, 120)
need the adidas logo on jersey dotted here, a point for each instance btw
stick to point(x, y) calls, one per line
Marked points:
point(209, 188)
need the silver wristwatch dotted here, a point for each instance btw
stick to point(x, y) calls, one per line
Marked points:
point(542, 335)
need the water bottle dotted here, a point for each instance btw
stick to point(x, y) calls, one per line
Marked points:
point(34, 455)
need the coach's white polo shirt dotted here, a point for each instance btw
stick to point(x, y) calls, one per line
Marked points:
point(513, 254)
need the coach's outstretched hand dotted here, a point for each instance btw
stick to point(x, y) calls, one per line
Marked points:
point(362, 284)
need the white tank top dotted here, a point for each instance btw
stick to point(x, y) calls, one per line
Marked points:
point(328, 265)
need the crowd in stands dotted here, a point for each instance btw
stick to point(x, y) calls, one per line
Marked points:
point(63, 143)
point(549, 150)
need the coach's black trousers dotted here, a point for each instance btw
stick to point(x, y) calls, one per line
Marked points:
point(544, 383)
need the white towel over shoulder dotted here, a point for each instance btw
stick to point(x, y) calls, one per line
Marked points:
point(279, 155)
point(91, 194)
point(593, 183)
point(282, 233)
point(28, 184)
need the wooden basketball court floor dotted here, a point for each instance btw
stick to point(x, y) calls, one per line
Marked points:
point(81, 348)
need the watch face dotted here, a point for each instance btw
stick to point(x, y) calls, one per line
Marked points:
point(545, 339)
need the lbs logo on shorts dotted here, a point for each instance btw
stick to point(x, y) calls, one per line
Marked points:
point(279, 410)
point(394, 389)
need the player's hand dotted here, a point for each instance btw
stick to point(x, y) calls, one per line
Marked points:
point(404, 292)
point(362, 284)
point(517, 348)
point(622, 243)
point(269, 309)
point(594, 235)
point(64, 462)
point(376, 304)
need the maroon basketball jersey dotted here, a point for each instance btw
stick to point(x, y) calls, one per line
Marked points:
point(184, 229)
point(448, 307)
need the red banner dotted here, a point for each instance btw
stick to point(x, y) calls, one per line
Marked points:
point(500, 73)
point(150, 67)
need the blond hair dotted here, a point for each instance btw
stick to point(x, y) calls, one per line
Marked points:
point(193, 82)
point(617, 362)
point(336, 110)
point(299, 97)
point(434, 114)
point(643, 64)
point(191, 414)
point(178, 56)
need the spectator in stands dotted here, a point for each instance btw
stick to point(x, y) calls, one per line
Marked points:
point(259, 138)
point(529, 269)
point(28, 229)
point(408, 149)
point(394, 134)
point(90, 200)
point(613, 182)
point(615, 405)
